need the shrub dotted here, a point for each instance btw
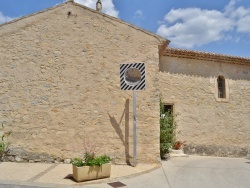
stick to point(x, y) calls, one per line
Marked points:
point(89, 158)
point(90, 161)
point(167, 130)
point(4, 144)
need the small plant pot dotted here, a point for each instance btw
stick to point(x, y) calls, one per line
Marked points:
point(86, 173)
point(177, 146)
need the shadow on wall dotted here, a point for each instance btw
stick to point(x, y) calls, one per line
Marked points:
point(116, 125)
point(206, 69)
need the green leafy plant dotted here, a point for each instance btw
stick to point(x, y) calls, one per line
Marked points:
point(4, 144)
point(89, 158)
point(77, 162)
point(95, 161)
point(167, 130)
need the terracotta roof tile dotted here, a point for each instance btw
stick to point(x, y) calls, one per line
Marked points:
point(174, 52)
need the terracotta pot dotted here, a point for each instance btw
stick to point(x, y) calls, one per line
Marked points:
point(177, 145)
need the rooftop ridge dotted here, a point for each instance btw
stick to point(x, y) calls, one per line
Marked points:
point(30, 15)
point(208, 56)
point(159, 38)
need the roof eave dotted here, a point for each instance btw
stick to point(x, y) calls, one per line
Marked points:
point(190, 54)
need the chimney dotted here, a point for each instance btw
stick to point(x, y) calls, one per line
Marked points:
point(99, 6)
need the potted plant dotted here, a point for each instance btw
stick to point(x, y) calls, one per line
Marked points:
point(179, 145)
point(91, 167)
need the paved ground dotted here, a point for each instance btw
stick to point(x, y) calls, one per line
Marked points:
point(184, 172)
point(58, 175)
point(208, 172)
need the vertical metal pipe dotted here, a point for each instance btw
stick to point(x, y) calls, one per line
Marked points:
point(134, 117)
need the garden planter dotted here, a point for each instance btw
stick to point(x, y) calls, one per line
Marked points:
point(85, 173)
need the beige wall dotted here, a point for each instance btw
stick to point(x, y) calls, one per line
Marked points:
point(59, 84)
point(210, 127)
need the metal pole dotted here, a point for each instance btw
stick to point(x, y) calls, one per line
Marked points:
point(134, 117)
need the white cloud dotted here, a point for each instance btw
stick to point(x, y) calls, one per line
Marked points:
point(107, 6)
point(230, 7)
point(241, 16)
point(243, 24)
point(138, 14)
point(4, 19)
point(192, 27)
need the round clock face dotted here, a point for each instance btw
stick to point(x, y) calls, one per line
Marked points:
point(132, 76)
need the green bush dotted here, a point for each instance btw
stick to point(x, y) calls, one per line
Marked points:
point(90, 160)
point(4, 144)
point(167, 130)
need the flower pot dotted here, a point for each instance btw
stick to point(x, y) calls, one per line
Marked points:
point(177, 145)
point(85, 173)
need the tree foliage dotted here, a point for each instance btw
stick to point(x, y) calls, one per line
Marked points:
point(167, 129)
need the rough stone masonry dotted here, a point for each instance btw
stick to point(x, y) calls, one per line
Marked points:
point(60, 88)
point(60, 85)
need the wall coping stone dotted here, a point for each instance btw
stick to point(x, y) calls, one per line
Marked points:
point(190, 54)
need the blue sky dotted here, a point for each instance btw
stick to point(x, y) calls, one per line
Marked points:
point(218, 26)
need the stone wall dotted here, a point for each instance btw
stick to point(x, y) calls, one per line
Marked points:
point(209, 126)
point(59, 85)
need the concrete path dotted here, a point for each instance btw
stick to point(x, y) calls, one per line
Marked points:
point(208, 172)
point(194, 172)
point(178, 172)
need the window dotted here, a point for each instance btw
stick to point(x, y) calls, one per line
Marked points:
point(221, 87)
point(168, 108)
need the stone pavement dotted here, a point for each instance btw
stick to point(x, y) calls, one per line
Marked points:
point(178, 172)
point(59, 175)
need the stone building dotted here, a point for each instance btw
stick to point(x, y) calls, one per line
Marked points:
point(60, 89)
point(210, 93)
